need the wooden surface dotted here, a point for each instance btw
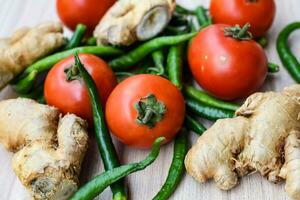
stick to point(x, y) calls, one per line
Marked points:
point(143, 185)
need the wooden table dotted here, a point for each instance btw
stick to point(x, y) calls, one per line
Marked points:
point(143, 185)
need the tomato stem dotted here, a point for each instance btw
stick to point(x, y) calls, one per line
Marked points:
point(150, 110)
point(72, 73)
point(238, 33)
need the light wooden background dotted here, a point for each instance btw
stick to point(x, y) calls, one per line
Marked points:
point(143, 185)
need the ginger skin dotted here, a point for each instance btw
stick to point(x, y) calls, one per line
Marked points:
point(130, 20)
point(26, 46)
point(264, 136)
point(49, 148)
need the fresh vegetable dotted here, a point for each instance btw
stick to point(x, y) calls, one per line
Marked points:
point(205, 98)
point(46, 146)
point(151, 107)
point(47, 62)
point(26, 84)
point(133, 20)
point(103, 138)
point(176, 30)
point(159, 60)
point(182, 10)
point(88, 12)
point(94, 187)
point(91, 41)
point(193, 125)
point(263, 137)
point(273, 68)
point(77, 37)
point(287, 58)
point(128, 60)
point(226, 62)
point(176, 169)
point(72, 96)
point(260, 14)
point(174, 65)
point(26, 46)
point(202, 16)
point(205, 111)
point(263, 41)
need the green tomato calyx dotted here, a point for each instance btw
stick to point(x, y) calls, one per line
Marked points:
point(73, 72)
point(238, 33)
point(149, 110)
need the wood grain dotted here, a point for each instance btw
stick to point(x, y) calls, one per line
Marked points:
point(143, 185)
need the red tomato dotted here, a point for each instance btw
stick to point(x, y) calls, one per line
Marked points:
point(88, 12)
point(259, 13)
point(121, 113)
point(72, 97)
point(225, 67)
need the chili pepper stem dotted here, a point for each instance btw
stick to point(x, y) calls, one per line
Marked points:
point(273, 68)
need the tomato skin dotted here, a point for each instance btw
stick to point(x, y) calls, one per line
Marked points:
point(88, 12)
point(225, 67)
point(259, 14)
point(72, 97)
point(121, 114)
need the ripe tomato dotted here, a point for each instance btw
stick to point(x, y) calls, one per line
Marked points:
point(147, 92)
point(226, 67)
point(72, 96)
point(88, 12)
point(259, 13)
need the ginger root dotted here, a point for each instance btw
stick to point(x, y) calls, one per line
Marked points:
point(26, 46)
point(130, 20)
point(49, 149)
point(264, 137)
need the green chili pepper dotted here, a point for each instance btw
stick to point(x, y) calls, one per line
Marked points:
point(35, 94)
point(41, 99)
point(47, 62)
point(26, 84)
point(174, 65)
point(207, 112)
point(95, 186)
point(176, 30)
point(193, 125)
point(136, 55)
point(182, 10)
point(179, 19)
point(158, 59)
point(205, 98)
point(177, 166)
point(289, 61)
point(123, 75)
point(262, 41)
point(202, 16)
point(273, 68)
point(92, 41)
point(77, 37)
point(194, 26)
point(104, 141)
